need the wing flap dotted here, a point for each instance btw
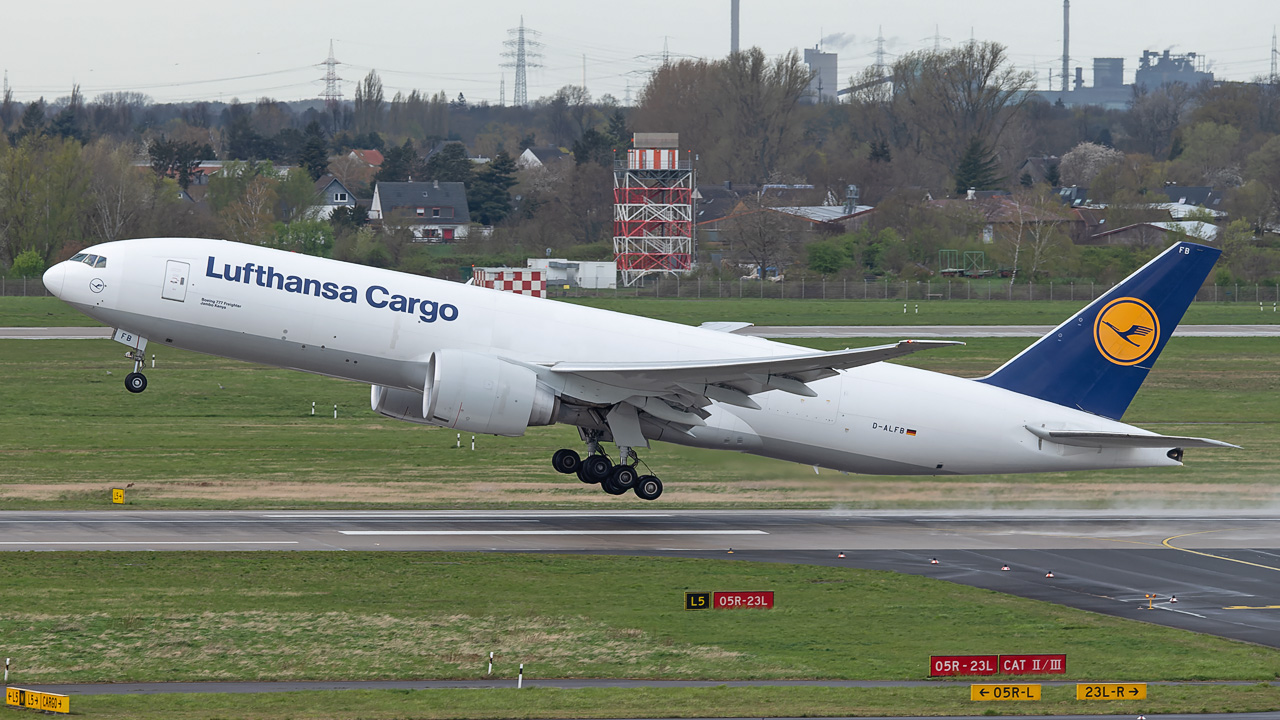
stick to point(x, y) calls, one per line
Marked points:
point(1096, 439)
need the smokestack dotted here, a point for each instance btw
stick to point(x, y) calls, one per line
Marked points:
point(1066, 42)
point(733, 26)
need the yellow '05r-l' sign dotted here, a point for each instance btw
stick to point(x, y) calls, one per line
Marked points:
point(35, 700)
point(1004, 692)
point(1111, 691)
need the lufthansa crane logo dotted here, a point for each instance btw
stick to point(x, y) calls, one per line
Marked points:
point(1126, 331)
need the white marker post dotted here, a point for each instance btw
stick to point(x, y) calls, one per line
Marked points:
point(473, 442)
point(335, 412)
point(520, 677)
point(490, 663)
point(6, 671)
point(460, 447)
point(153, 360)
point(313, 408)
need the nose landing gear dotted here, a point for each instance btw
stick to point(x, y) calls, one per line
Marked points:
point(135, 382)
point(597, 468)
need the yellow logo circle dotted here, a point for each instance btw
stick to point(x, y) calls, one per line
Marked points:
point(1126, 331)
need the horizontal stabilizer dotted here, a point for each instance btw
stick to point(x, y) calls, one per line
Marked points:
point(1095, 439)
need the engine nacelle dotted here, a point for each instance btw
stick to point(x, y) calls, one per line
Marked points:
point(398, 404)
point(485, 394)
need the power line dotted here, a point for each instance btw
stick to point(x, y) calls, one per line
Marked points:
point(525, 53)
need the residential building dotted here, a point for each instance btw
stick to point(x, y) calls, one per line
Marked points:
point(332, 195)
point(433, 211)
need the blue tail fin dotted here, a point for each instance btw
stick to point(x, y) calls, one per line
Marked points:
point(1097, 360)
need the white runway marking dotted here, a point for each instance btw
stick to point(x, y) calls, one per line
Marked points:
point(445, 516)
point(553, 532)
point(150, 542)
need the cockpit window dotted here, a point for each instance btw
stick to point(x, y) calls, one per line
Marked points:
point(93, 261)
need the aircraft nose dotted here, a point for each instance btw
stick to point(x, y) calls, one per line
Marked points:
point(54, 277)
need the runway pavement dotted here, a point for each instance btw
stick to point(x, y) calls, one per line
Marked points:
point(780, 331)
point(1223, 567)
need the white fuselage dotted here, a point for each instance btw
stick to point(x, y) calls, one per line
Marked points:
point(353, 322)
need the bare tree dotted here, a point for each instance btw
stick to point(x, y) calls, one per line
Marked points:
point(759, 234)
point(119, 193)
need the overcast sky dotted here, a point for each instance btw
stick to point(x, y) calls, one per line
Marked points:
point(180, 51)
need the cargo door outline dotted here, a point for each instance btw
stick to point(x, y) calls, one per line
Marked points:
point(176, 273)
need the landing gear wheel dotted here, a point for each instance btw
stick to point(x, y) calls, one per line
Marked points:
point(582, 475)
point(610, 486)
point(624, 476)
point(566, 461)
point(648, 487)
point(135, 382)
point(595, 468)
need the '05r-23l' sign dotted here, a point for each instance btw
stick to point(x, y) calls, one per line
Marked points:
point(728, 600)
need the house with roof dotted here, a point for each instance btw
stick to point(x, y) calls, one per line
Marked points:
point(433, 211)
point(540, 157)
point(371, 158)
point(1157, 234)
point(332, 194)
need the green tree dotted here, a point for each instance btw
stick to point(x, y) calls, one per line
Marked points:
point(315, 151)
point(490, 195)
point(450, 164)
point(44, 198)
point(310, 237)
point(295, 194)
point(175, 159)
point(398, 163)
point(827, 257)
point(27, 264)
point(977, 169)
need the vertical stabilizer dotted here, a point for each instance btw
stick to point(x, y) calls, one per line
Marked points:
point(1097, 360)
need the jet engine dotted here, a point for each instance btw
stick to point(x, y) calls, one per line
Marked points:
point(473, 392)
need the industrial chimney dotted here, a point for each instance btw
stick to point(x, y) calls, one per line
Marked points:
point(733, 26)
point(1066, 42)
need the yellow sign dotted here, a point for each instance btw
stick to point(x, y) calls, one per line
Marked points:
point(1004, 692)
point(36, 700)
point(117, 496)
point(1111, 691)
point(1126, 331)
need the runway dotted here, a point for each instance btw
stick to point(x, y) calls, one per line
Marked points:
point(777, 331)
point(1223, 567)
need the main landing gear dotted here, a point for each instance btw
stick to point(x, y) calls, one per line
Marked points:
point(597, 468)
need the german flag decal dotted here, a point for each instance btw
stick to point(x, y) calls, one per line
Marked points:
point(911, 432)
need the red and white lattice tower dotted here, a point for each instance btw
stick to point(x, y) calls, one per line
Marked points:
point(653, 208)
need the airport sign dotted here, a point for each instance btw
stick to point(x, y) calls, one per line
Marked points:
point(754, 599)
point(945, 665)
point(697, 601)
point(35, 700)
point(1033, 664)
point(1111, 691)
point(1004, 692)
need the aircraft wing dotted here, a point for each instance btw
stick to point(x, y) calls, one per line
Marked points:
point(1093, 439)
point(733, 380)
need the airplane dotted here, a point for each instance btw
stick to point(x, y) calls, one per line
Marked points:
point(484, 361)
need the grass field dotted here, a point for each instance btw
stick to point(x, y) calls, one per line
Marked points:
point(214, 433)
point(355, 616)
point(643, 703)
point(51, 312)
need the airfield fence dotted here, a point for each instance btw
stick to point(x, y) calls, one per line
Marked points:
point(923, 291)
point(695, 289)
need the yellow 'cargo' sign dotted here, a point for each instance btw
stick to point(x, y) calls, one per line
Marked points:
point(1111, 691)
point(37, 700)
point(1004, 692)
